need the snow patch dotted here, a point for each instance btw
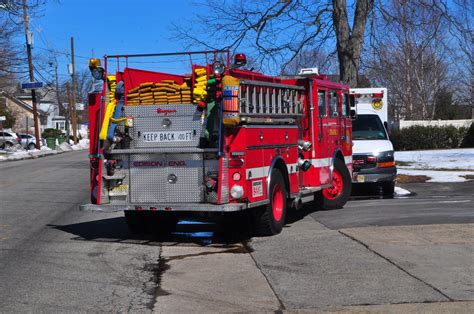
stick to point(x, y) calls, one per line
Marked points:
point(401, 192)
point(453, 164)
point(64, 147)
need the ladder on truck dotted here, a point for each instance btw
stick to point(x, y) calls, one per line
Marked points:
point(267, 102)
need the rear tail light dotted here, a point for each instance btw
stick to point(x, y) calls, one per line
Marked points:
point(236, 191)
point(236, 176)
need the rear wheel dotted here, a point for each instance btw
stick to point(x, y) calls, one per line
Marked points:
point(162, 222)
point(31, 146)
point(150, 221)
point(338, 193)
point(135, 221)
point(388, 188)
point(269, 220)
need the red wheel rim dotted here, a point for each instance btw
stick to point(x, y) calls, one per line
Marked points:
point(277, 202)
point(335, 190)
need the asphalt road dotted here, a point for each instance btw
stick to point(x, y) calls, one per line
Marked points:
point(379, 252)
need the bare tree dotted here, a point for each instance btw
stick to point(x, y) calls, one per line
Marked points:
point(325, 62)
point(12, 59)
point(412, 57)
point(279, 30)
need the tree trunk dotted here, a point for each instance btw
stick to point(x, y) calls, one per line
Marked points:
point(349, 42)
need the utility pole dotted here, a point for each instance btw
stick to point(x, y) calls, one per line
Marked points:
point(32, 77)
point(73, 104)
point(71, 111)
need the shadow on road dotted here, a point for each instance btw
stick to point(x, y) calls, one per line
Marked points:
point(200, 232)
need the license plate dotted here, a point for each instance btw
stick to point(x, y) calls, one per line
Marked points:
point(160, 137)
point(360, 178)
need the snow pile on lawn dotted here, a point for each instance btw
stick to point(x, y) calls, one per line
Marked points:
point(17, 152)
point(401, 192)
point(447, 165)
point(83, 144)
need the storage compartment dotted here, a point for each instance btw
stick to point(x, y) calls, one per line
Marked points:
point(158, 126)
point(167, 178)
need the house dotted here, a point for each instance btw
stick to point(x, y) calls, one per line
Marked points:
point(22, 112)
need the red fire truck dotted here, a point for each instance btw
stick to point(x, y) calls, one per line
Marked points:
point(219, 139)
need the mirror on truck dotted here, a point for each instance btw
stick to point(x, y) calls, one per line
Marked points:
point(353, 111)
point(353, 114)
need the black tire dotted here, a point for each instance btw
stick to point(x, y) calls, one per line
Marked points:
point(269, 220)
point(8, 145)
point(388, 188)
point(136, 221)
point(162, 222)
point(334, 198)
point(150, 222)
point(31, 146)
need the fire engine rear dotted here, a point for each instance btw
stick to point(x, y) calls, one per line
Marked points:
point(216, 140)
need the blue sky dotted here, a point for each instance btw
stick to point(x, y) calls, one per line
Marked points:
point(108, 27)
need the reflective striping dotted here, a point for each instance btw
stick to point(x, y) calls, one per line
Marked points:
point(321, 162)
point(256, 173)
point(262, 172)
point(292, 168)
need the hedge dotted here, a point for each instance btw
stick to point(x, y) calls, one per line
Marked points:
point(432, 137)
point(51, 133)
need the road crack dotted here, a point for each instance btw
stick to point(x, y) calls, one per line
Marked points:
point(249, 249)
point(396, 265)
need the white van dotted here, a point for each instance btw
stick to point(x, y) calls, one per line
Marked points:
point(372, 152)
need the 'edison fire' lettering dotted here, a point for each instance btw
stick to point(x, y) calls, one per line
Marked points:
point(160, 163)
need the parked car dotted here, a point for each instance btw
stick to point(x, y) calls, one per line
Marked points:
point(8, 138)
point(28, 141)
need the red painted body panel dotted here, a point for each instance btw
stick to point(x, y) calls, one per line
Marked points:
point(259, 146)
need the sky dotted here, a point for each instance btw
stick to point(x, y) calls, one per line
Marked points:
point(109, 27)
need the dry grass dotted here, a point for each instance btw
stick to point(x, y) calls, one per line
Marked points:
point(403, 178)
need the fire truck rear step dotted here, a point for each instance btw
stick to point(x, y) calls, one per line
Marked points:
point(164, 207)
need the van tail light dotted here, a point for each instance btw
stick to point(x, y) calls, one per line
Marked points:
point(386, 164)
point(371, 159)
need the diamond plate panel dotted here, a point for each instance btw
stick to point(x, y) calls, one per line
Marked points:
point(225, 180)
point(151, 174)
point(165, 118)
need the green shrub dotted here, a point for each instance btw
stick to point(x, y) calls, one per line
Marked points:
point(51, 133)
point(432, 137)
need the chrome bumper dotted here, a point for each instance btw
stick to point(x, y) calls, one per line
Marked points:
point(375, 175)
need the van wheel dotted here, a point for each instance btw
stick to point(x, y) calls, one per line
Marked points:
point(31, 146)
point(337, 195)
point(269, 220)
point(388, 188)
